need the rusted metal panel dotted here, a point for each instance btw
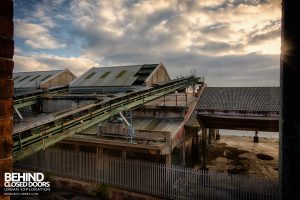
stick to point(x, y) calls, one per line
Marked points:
point(6, 68)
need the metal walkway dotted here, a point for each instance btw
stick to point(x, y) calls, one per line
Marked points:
point(32, 137)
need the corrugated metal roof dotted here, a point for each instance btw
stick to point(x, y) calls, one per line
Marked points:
point(33, 79)
point(240, 98)
point(237, 98)
point(155, 124)
point(113, 76)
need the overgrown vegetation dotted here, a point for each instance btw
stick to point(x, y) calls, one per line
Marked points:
point(101, 191)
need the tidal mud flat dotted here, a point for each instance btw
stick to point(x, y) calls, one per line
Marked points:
point(240, 155)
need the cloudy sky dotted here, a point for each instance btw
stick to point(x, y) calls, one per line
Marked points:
point(230, 42)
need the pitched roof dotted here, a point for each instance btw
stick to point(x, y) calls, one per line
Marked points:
point(237, 98)
point(115, 76)
point(33, 79)
point(240, 98)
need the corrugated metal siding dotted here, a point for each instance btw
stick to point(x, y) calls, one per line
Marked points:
point(62, 79)
point(34, 79)
point(110, 79)
point(110, 76)
point(192, 122)
point(155, 124)
point(240, 98)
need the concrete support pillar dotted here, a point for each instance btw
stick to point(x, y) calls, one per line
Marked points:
point(168, 160)
point(289, 165)
point(211, 135)
point(123, 154)
point(218, 136)
point(204, 148)
point(256, 139)
point(6, 88)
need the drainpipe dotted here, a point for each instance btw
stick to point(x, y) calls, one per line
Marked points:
point(289, 122)
point(6, 88)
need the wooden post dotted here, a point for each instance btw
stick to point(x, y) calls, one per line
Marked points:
point(256, 139)
point(218, 136)
point(168, 159)
point(6, 88)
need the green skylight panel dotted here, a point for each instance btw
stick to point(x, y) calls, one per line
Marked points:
point(104, 75)
point(90, 75)
point(121, 74)
point(26, 77)
point(45, 78)
point(35, 78)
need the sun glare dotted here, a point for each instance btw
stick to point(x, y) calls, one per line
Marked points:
point(268, 47)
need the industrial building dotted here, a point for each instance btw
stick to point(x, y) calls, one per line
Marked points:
point(132, 127)
point(150, 132)
point(119, 78)
point(31, 81)
point(153, 129)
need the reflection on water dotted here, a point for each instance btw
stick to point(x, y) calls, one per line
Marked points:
point(249, 133)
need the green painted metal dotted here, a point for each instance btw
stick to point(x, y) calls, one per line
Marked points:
point(26, 103)
point(34, 98)
point(43, 136)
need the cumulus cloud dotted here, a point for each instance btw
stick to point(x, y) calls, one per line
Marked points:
point(38, 62)
point(227, 38)
point(36, 36)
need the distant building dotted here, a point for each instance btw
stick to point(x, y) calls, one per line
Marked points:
point(28, 81)
point(119, 79)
